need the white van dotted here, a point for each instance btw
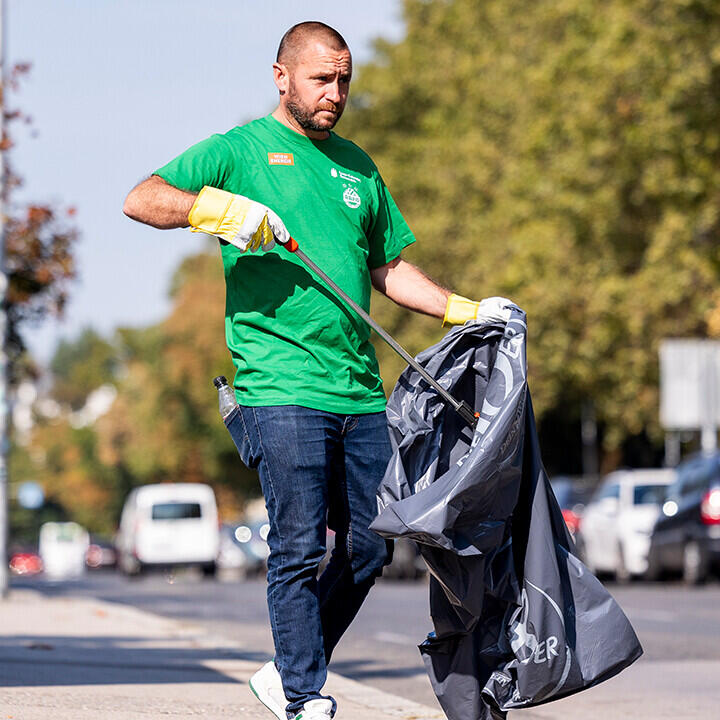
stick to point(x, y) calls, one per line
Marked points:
point(62, 546)
point(166, 525)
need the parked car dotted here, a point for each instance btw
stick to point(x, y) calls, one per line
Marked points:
point(243, 547)
point(686, 538)
point(618, 521)
point(100, 553)
point(25, 562)
point(231, 556)
point(406, 564)
point(168, 525)
point(572, 496)
point(62, 547)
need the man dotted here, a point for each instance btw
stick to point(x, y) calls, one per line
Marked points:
point(311, 404)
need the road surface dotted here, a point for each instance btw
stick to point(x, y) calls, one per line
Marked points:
point(674, 623)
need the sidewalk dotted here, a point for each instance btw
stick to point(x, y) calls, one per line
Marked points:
point(81, 659)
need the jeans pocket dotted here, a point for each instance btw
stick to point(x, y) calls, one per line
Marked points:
point(235, 424)
point(231, 415)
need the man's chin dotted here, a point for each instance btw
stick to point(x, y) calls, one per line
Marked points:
point(326, 119)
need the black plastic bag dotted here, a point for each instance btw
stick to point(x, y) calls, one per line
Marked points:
point(518, 619)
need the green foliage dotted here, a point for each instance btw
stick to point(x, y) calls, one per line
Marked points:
point(566, 155)
point(164, 424)
point(77, 484)
point(25, 523)
point(39, 265)
point(82, 365)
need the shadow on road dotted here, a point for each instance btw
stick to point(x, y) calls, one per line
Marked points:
point(366, 669)
point(31, 661)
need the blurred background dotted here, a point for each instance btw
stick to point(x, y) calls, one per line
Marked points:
point(565, 155)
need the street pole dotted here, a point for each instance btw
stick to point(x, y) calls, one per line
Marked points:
point(708, 394)
point(4, 405)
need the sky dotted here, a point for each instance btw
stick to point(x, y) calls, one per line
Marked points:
point(118, 88)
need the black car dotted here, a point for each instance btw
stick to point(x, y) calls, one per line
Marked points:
point(686, 537)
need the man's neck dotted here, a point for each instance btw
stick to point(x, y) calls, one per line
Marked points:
point(289, 121)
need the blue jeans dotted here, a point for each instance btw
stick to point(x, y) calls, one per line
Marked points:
point(317, 470)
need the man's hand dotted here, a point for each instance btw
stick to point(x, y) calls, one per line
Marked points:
point(490, 310)
point(238, 220)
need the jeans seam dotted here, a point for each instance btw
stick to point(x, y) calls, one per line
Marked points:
point(347, 516)
point(350, 524)
point(245, 432)
point(346, 501)
point(277, 528)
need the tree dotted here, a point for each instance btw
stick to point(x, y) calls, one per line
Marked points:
point(164, 425)
point(39, 266)
point(73, 476)
point(81, 366)
point(39, 242)
point(566, 155)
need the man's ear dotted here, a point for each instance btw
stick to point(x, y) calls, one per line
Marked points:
point(281, 77)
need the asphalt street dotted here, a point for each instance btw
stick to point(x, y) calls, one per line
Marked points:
point(674, 623)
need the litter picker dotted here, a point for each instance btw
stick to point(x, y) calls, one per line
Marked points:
point(462, 408)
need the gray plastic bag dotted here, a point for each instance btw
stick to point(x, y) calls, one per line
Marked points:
point(518, 619)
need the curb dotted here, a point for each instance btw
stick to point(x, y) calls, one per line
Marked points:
point(364, 697)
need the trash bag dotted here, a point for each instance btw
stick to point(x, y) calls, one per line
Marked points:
point(518, 619)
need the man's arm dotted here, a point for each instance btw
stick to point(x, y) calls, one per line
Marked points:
point(157, 203)
point(408, 286)
point(234, 218)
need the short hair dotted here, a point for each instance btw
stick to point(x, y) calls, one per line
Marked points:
point(298, 36)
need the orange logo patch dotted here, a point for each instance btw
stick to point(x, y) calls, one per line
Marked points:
point(281, 159)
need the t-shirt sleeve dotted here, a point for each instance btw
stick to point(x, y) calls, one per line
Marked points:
point(209, 162)
point(389, 233)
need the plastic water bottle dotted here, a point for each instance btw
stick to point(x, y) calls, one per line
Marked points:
point(226, 396)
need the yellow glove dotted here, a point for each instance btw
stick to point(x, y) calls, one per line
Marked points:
point(490, 310)
point(236, 219)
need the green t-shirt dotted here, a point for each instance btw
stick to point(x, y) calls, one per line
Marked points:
point(291, 340)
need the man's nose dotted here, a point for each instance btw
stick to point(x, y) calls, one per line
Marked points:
point(332, 92)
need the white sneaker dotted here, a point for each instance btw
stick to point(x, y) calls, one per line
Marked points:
point(267, 687)
point(319, 709)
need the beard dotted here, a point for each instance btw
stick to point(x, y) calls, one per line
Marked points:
point(307, 117)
